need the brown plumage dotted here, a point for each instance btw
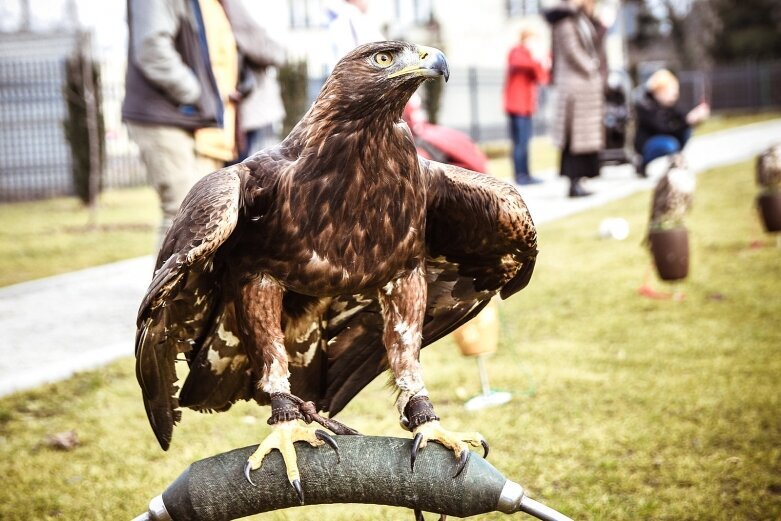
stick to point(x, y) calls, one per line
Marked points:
point(673, 196)
point(769, 168)
point(335, 255)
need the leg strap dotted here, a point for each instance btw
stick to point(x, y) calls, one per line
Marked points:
point(284, 408)
point(419, 410)
point(288, 407)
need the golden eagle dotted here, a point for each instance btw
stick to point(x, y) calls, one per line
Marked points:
point(297, 276)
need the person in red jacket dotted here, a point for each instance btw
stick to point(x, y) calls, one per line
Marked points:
point(524, 72)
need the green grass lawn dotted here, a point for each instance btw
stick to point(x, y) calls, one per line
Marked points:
point(43, 238)
point(641, 410)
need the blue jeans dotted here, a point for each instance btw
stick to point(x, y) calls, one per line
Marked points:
point(521, 132)
point(663, 145)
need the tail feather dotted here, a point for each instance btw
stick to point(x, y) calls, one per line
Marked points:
point(157, 376)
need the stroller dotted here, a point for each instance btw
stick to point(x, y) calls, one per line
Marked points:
point(442, 144)
point(616, 119)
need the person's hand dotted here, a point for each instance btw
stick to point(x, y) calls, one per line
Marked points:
point(698, 114)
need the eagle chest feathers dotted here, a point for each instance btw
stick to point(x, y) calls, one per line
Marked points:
point(353, 221)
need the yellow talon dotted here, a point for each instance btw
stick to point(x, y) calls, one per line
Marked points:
point(455, 441)
point(282, 437)
point(458, 442)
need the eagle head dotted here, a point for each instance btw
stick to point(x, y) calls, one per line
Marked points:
point(380, 77)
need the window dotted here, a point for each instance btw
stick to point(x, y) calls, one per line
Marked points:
point(306, 13)
point(522, 7)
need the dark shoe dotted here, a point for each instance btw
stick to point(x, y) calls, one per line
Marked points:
point(640, 167)
point(576, 190)
point(526, 180)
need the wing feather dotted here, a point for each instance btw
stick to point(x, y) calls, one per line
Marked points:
point(479, 223)
point(179, 304)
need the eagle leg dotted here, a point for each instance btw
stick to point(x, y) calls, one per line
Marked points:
point(260, 312)
point(403, 304)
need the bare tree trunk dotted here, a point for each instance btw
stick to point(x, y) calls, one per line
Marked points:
point(85, 49)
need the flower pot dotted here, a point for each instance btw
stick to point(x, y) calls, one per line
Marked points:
point(769, 205)
point(670, 249)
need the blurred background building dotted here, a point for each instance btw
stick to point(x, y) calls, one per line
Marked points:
point(721, 50)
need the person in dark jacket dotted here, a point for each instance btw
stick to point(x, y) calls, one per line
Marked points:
point(170, 92)
point(524, 72)
point(663, 128)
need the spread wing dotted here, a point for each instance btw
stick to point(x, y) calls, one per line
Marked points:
point(184, 295)
point(480, 240)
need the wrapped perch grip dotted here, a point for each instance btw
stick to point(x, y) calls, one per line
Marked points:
point(374, 470)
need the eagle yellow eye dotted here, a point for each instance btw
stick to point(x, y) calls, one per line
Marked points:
point(383, 59)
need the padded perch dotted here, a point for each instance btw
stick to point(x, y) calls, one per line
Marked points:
point(374, 470)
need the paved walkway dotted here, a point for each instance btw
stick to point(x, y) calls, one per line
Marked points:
point(53, 327)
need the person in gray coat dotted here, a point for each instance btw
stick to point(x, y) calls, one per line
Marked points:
point(578, 80)
point(170, 92)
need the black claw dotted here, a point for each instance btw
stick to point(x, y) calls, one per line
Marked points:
point(461, 463)
point(246, 473)
point(485, 448)
point(297, 485)
point(324, 436)
point(415, 448)
point(419, 515)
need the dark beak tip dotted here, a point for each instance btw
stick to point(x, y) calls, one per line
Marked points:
point(441, 64)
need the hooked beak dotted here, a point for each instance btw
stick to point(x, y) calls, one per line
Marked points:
point(431, 63)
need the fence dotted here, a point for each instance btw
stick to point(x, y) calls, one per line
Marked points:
point(35, 158)
point(473, 98)
point(473, 103)
point(750, 86)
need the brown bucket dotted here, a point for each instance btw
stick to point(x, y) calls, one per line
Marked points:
point(670, 249)
point(770, 209)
